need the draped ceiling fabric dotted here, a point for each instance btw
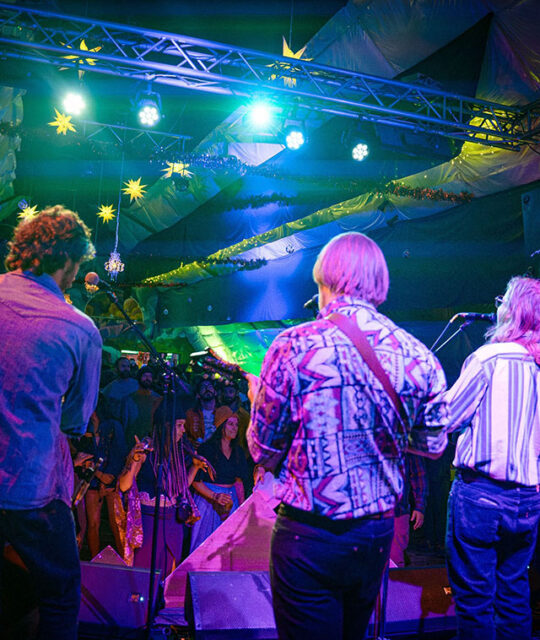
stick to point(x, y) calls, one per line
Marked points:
point(441, 254)
point(11, 111)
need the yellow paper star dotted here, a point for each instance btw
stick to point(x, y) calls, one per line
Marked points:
point(177, 167)
point(106, 212)
point(134, 189)
point(62, 123)
point(82, 47)
point(28, 212)
point(288, 53)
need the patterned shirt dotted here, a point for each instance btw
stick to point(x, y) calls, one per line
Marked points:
point(325, 422)
point(495, 404)
point(50, 358)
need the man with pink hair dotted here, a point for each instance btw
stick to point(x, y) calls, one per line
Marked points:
point(323, 422)
point(494, 504)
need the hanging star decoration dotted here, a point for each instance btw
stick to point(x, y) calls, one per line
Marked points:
point(28, 212)
point(134, 189)
point(62, 123)
point(106, 212)
point(181, 168)
point(288, 81)
point(79, 59)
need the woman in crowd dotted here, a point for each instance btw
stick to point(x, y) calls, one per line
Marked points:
point(216, 498)
point(104, 439)
point(137, 483)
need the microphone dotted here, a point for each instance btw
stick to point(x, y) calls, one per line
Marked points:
point(467, 315)
point(92, 279)
point(313, 303)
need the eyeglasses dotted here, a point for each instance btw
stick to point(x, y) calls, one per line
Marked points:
point(498, 301)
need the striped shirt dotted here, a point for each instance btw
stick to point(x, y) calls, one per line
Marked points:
point(494, 404)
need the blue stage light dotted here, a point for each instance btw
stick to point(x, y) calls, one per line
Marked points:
point(149, 109)
point(260, 115)
point(294, 139)
point(360, 151)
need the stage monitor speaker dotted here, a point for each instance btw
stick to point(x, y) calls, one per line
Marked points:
point(230, 605)
point(237, 605)
point(419, 600)
point(113, 596)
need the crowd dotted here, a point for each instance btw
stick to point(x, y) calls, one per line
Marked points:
point(197, 436)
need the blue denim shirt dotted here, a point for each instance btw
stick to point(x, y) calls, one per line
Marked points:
point(50, 359)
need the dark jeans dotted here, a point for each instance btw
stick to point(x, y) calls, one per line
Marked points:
point(490, 540)
point(325, 583)
point(45, 540)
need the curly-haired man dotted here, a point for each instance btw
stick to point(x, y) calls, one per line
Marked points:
point(50, 366)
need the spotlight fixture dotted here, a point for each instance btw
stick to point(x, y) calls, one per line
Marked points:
point(149, 109)
point(74, 103)
point(294, 138)
point(360, 151)
point(260, 115)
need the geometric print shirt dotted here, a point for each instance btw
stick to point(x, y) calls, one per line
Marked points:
point(323, 422)
point(495, 406)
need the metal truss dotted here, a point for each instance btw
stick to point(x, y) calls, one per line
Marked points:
point(160, 141)
point(165, 58)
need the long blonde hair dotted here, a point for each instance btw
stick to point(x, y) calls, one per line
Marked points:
point(519, 321)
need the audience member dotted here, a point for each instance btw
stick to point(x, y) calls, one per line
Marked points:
point(120, 388)
point(230, 397)
point(138, 481)
point(108, 373)
point(138, 408)
point(104, 439)
point(203, 419)
point(217, 498)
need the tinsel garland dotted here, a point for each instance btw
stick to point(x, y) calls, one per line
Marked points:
point(240, 264)
point(424, 193)
point(232, 163)
point(10, 129)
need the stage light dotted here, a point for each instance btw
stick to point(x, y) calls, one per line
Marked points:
point(74, 104)
point(360, 151)
point(149, 109)
point(294, 138)
point(260, 115)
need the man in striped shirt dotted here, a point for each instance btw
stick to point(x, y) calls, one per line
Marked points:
point(494, 505)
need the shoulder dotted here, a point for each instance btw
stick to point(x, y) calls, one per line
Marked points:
point(84, 323)
point(295, 339)
point(493, 350)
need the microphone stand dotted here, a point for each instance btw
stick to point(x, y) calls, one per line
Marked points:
point(169, 384)
point(463, 326)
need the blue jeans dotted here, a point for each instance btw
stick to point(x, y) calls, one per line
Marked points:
point(490, 540)
point(325, 583)
point(45, 540)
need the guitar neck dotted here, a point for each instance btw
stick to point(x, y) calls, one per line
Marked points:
point(211, 361)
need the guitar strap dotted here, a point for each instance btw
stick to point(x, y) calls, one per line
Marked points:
point(357, 337)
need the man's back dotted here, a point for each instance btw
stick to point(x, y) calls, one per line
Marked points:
point(346, 452)
point(49, 368)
